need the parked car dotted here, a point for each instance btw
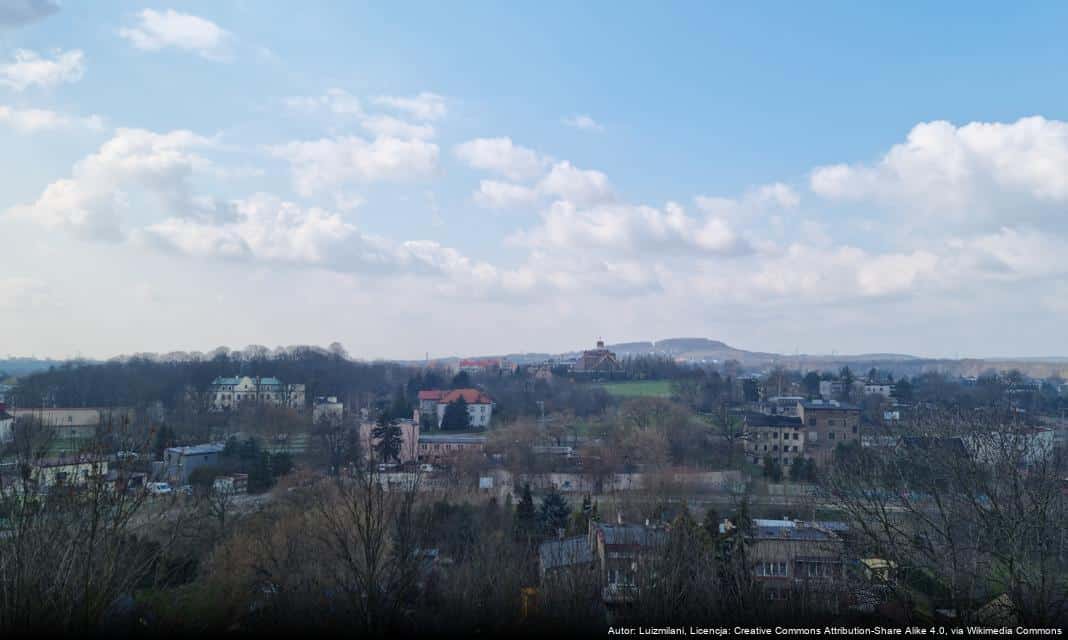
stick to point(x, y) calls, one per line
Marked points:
point(159, 488)
point(127, 455)
point(426, 468)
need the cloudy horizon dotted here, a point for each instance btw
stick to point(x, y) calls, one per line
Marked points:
point(447, 181)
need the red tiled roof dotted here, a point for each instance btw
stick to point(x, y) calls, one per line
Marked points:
point(430, 394)
point(470, 396)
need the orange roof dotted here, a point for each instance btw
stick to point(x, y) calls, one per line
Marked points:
point(470, 396)
point(431, 394)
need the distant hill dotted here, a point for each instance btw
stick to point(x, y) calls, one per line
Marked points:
point(24, 366)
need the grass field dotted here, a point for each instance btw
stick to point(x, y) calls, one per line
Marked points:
point(651, 388)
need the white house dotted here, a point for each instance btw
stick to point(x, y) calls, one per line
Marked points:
point(229, 393)
point(479, 406)
point(329, 409)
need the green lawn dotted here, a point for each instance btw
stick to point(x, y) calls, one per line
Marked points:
point(652, 388)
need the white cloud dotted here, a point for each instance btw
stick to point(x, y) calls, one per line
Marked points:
point(334, 100)
point(774, 196)
point(501, 155)
point(16, 13)
point(92, 201)
point(504, 195)
point(390, 127)
point(631, 229)
point(31, 69)
point(983, 174)
point(157, 30)
point(36, 120)
point(581, 186)
point(331, 162)
point(425, 106)
point(583, 122)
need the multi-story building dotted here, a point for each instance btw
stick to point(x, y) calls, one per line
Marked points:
point(229, 393)
point(597, 363)
point(438, 448)
point(782, 405)
point(831, 389)
point(782, 438)
point(487, 365)
point(327, 409)
point(433, 402)
point(67, 471)
point(792, 559)
point(827, 424)
point(78, 423)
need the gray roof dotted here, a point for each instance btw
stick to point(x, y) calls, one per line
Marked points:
point(790, 530)
point(563, 553)
point(635, 534)
point(197, 449)
point(458, 438)
point(832, 405)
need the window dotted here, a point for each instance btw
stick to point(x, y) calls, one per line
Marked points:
point(830, 436)
point(795, 435)
point(854, 428)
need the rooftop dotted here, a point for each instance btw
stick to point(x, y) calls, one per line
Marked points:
point(458, 438)
point(632, 534)
point(832, 405)
point(197, 449)
point(566, 552)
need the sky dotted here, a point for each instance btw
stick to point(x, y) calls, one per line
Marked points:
point(467, 178)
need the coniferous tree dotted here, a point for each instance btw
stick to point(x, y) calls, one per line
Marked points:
point(456, 417)
point(555, 512)
point(387, 437)
point(525, 516)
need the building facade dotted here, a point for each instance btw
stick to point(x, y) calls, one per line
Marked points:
point(328, 409)
point(827, 424)
point(597, 363)
point(180, 462)
point(226, 394)
point(780, 437)
point(434, 402)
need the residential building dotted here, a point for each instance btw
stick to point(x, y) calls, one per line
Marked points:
point(827, 424)
point(327, 409)
point(884, 389)
point(75, 423)
point(612, 555)
point(782, 405)
point(5, 391)
point(180, 462)
point(67, 471)
point(831, 389)
point(780, 437)
point(792, 559)
point(479, 406)
point(229, 393)
point(597, 363)
point(498, 366)
point(440, 448)
point(428, 401)
point(619, 552)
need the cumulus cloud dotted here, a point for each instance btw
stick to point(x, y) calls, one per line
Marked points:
point(582, 186)
point(92, 201)
point(16, 13)
point(29, 69)
point(981, 173)
point(331, 162)
point(502, 156)
point(493, 194)
point(390, 127)
point(425, 106)
point(583, 122)
point(774, 196)
point(158, 30)
point(37, 120)
point(631, 229)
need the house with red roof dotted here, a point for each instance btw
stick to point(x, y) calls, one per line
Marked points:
point(432, 402)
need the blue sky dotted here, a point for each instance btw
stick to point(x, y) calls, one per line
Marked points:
point(481, 177)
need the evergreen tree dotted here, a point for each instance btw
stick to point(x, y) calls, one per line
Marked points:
point(711, 523)
point(461, 381)
point(259, 474)
point(555, 512)
point(456, 417)
point(525, 516)
point(797, 469)
point(165, 437)
point(387, 441)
